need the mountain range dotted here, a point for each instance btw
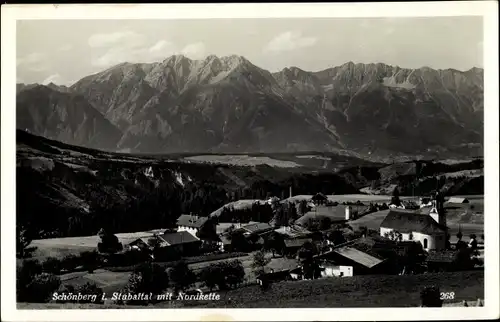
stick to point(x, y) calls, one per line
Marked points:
point(229, 105)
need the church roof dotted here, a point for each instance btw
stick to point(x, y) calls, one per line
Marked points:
point(406, 222)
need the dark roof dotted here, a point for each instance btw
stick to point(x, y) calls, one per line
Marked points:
point(406, 222)
point(191, 221)
point(445, 256)
point(297, 242)
point(319, 196)
point(257, 227)
point(180, 237)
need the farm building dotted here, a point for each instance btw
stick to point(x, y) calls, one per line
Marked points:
point(458, 200)
point(138, 244)
point(440, 260)
point(360, 261)
point(331, 269)
point(181, 242)
point(293, 245)
point(319, 199)
point(414, 226)
point(258, 228)
point(295, 231)
point(224, 243)
point(191, 223)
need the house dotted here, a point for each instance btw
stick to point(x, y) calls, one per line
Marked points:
point(440, 260)
point(319, 199)
point(429, 229)
point(458, 200)
point(293, 245)
point(138, 244)
point(294, 231)
point(224, 243)
point(258, 228)
point(191, 223)
point(331, 269)
point(359, 261)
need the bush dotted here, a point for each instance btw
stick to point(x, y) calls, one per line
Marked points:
point(25, 274)
point(42, 287)
point(70, 262)
point(146, 278)
point(181, 276)
point(90, 260)
point(52, 265)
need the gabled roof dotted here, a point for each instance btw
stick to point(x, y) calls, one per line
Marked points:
point(406, 222)
point(319, 196)
point(298, 242)
point(180, 237)
point(256, 228)
point(293, 231)
point(191, 221)
point(458, 200)
point(358, 256)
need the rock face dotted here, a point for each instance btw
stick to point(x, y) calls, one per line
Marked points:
point(227, 104)
point(65, 117)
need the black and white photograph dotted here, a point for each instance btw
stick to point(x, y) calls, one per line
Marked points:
point(218, 158)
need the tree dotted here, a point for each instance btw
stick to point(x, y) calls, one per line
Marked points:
point(181, 276)
point(90, 260)
point(336, 237)
point(70, 262)
point(109, 243)
point(234, 272)
point(238, 241)
point(212, 276)
point(147, 278)
point(51, 265)
point(259, 262)
point(395, 197)
point(41, 288)
point(303, 207)
point(25, 274)
point(463, 259)
point(325, 223)
point(23, 240)
point(275, 242)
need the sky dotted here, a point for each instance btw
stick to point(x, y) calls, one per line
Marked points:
point(64, 51)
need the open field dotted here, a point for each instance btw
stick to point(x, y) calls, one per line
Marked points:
point(357, 291)
point(243, 160)
point(350, 198)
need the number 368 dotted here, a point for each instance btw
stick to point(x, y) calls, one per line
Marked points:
point(447, 295)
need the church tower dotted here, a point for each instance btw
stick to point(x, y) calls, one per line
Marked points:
point(437, 210)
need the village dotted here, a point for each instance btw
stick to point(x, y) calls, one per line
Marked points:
point(284, 240)
point(317, 241)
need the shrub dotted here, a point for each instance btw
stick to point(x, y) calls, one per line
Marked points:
point(52, 265)
point(42, 287)
point(25, 274)
point(146, 278)
point(70, 262)
point(181, 276)
point(90, 260)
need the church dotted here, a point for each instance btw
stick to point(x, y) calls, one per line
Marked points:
point(429, 229)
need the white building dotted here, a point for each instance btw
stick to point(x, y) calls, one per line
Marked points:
point(332, 270)
point(191, 223)
point(429, 229)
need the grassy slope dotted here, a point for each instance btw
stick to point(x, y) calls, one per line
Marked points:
point(357, 291)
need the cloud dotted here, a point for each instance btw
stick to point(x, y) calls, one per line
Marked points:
point(65, 48)
point(35, 62)
point(287, 41)
point(161, 46)
point(128, 39)
point(56, 79)
point(123, 53)
point(194, 51)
